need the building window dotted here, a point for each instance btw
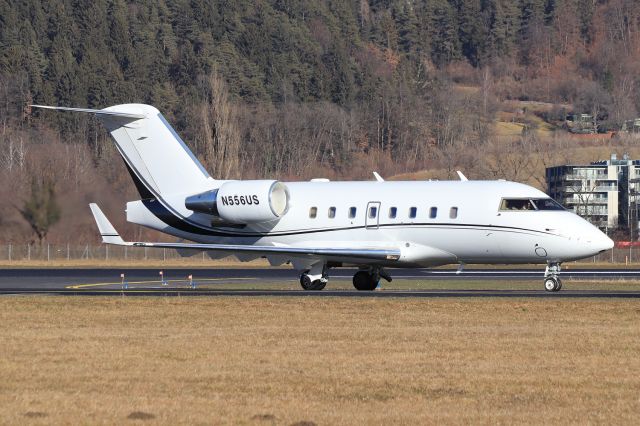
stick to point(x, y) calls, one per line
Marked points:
point(393, 212)
point(332, 212)
point(453, 212)
point(313, 212)
point(433, 212)
point(352, 212)
point(413, 212)
point(373, 212)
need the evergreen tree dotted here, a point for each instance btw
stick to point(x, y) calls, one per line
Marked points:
point(41, 210)
point(444, 37)
point(502, 19)
point(470, 30)
point(407, 25)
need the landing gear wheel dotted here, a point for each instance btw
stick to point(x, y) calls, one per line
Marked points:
point(364, 281)
point(552, 284)
point(551, 277)
point(307, 284)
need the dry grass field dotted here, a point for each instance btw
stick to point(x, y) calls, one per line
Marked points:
point(323, 361)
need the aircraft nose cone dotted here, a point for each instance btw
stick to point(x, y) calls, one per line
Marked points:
point(603, 242)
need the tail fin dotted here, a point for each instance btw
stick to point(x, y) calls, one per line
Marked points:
point(152, 149)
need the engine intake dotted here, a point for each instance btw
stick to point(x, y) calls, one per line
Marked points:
point(243, 201)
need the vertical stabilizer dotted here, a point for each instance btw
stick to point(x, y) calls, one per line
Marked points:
point(154, 151)
point(151, 148)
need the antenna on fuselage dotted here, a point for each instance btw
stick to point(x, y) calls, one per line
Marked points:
point(378, 177)
point(462, 177)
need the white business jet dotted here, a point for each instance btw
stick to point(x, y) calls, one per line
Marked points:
point(319, 225)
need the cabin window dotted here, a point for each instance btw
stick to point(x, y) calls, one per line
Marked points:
point(433, 212)
point(352, 212)
point(332, 212)
point(393, 212)
point(373, 212)
point(313, 212)
point(453, 212)
point(413, 212)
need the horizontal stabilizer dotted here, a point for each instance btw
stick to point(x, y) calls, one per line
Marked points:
point(107, 231)
point(94, 111)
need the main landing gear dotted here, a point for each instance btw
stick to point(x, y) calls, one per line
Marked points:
point(309, 282)
point(317, 277)
point(552, 281)
point(367, 280)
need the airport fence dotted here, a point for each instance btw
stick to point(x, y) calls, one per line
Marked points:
point(70, 252)
point(74, 252)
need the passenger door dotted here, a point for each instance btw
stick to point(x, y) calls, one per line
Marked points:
point(372, 215)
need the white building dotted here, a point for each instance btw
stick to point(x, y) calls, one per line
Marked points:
point(606, 193)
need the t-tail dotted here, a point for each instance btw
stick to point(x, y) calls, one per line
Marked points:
point(154, 153)
point(177, 194)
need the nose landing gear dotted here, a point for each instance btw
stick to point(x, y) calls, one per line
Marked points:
point(552, 280)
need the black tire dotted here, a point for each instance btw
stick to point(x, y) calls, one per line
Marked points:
point(363, 281)
point(318, 285)
point(309, 285)
point(550, 284)
point(559, 286)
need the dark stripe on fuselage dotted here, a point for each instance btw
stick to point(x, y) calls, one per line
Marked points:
point(162, 213)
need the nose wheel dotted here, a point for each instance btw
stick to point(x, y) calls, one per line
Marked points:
point(552, 280)
point(552, 284)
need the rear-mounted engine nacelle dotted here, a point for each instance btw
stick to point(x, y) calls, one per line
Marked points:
point(243, 201)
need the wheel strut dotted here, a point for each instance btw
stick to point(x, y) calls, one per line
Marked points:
point(552, 280)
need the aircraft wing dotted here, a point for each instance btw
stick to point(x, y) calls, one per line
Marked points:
point(111, 236)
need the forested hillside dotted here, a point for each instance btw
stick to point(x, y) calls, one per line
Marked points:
point(298, 89)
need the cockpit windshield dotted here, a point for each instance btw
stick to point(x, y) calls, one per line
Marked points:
point(546, 204)
point(524, 204)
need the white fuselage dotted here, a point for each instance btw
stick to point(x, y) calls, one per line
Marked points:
point(478, 232)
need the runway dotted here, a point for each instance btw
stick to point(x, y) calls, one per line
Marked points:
point(215, 282)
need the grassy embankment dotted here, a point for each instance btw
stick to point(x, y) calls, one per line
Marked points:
point(327, 361)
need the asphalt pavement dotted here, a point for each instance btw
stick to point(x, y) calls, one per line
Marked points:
point(174, 282)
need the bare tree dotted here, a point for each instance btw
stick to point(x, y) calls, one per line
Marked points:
point(594, 99)
point(584, 192)
point(218, 137)
point(512, 161)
